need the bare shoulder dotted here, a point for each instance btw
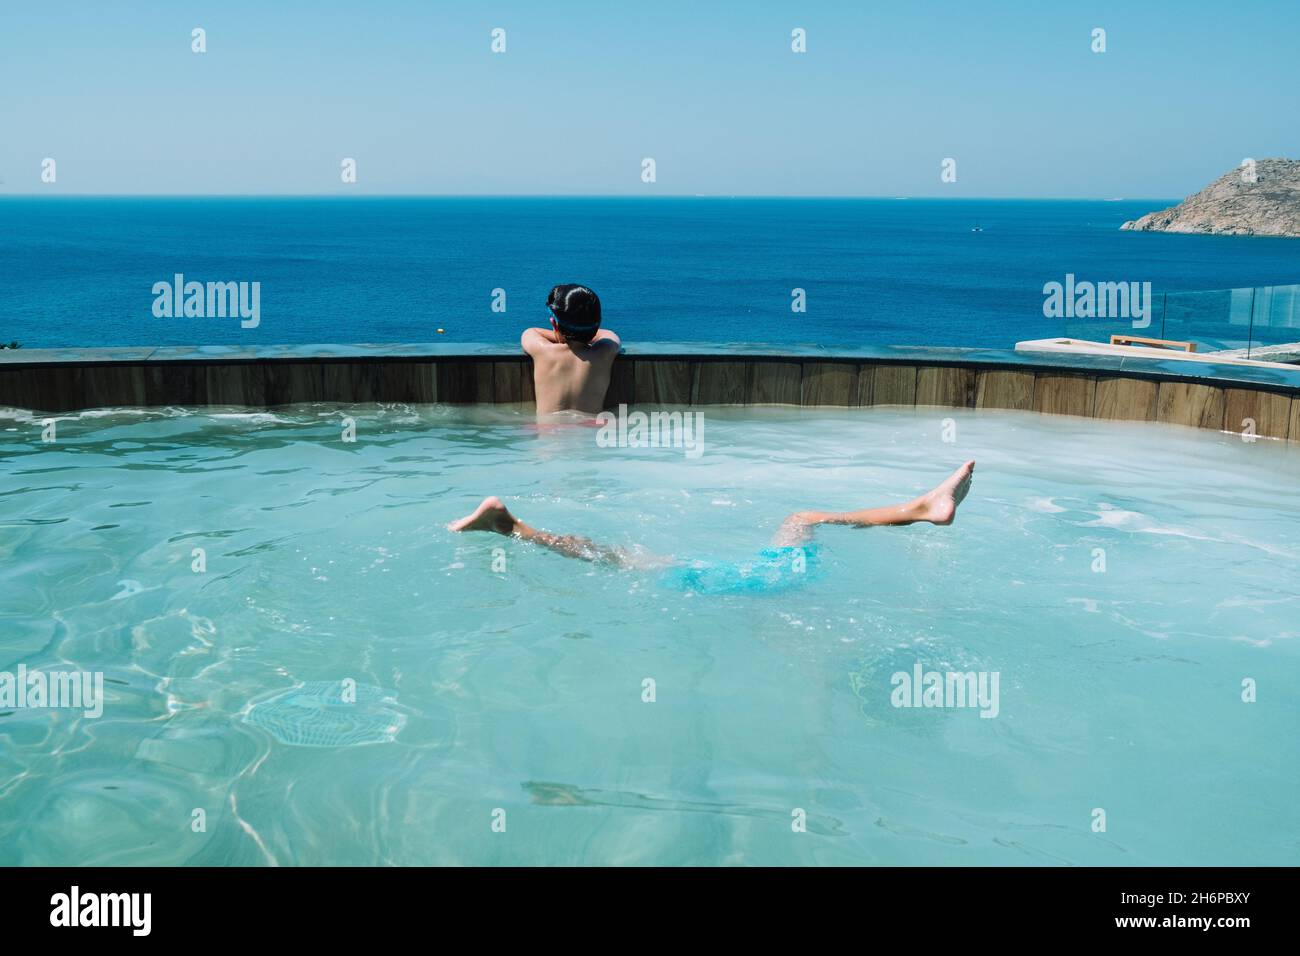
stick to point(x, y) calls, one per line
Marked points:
point(605, 350)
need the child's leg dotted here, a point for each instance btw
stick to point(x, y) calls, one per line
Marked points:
point(492, 515)
point(937, 507)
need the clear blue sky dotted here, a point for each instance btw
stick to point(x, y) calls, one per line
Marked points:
point(711, 91)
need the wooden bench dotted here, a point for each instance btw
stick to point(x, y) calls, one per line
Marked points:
point(1154, 343)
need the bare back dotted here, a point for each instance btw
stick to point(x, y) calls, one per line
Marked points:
point(570, 377)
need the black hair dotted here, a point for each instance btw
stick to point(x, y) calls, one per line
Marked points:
point(577, 311)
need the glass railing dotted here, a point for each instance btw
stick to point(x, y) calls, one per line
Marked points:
point(1253, 321)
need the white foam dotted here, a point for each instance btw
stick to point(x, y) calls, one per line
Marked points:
point(253, 418)
point(1046, 506)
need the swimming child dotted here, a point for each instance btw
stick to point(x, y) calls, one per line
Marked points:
point(792, 542)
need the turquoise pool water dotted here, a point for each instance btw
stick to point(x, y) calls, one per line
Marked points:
point(510, 686)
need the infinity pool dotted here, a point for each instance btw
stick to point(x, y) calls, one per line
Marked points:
point(302, 665)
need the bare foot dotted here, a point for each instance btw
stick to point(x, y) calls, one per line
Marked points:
point(490, 515)
point(940, 505)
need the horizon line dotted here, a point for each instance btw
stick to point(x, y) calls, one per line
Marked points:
point(72, 195)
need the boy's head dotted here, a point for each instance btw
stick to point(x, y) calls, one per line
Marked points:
point(576, 311)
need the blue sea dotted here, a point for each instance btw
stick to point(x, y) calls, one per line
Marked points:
point(80, 271)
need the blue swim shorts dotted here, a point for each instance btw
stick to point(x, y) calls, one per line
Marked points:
point(772, 571)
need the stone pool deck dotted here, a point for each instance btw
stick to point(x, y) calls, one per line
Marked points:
point(1208, 395)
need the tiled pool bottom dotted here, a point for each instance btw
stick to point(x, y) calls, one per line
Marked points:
point(508, 686)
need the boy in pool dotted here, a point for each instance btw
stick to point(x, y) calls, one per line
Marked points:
point(573, 359)
point(793, 540)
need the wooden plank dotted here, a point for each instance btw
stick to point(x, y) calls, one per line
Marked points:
point(894, 385)
point(662, 382)
point(1125, 399)
point(56, 389)
point(484, 383)
point(428, 379)
point(528, 384)
point(291, 383)
point(109, 386)
point(508, 382)
point(720, 383)
point(1293, 432)
point(1005, 389)
point(336, 381)
point(455, 383)
point(179, 384)
point(829, 383)
point(462, 382)
point(1186, 403)
point(414, 383)
point(1270, 411)
point(1062, 394)
point(1158, 343)
point(354, 382)
point(235, 383)
point(775, 383)
point(50, 389)
point(622, 383)
point(945, 386)
point(866, 385)
point(13, 392)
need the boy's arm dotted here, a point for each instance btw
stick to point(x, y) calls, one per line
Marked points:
point(534, 339)
point(606, 335)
